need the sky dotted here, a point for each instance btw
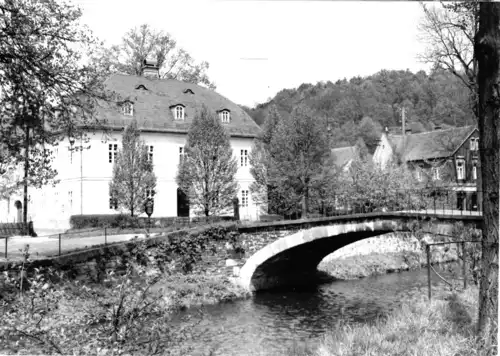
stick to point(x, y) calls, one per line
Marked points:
point(257, 48)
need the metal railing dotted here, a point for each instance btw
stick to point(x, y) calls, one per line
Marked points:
point(443, 279)
point(71, 241)
point(447, 201)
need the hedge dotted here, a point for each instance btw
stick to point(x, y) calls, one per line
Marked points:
point(127, 221)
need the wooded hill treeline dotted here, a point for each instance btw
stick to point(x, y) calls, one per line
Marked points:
point(437, 98)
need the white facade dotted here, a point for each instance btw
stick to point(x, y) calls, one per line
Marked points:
point(383, 154)
point(85, 175)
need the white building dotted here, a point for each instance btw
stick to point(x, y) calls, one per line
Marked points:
point(164, 110)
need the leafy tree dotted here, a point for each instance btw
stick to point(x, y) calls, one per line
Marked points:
point(370, 132)
point(259, 158)
point(133, 177)
point(46, 84)
point(298, 151)
point(487, 52)
point(145, 42)
point(207, 171)
point(366, 186)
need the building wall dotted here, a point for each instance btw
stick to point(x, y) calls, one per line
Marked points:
point(383, 153)
point(84, 177)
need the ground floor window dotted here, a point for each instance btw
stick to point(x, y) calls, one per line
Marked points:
point(244, 198)
point(113, 202)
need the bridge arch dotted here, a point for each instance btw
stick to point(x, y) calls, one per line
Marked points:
point(292, 260)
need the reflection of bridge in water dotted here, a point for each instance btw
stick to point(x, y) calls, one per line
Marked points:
point(292, 260)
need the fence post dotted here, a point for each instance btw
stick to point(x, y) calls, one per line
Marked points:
point(59, 244)
point(105, 236)
point(6, 238)
point(464, 270)
point(428, 252)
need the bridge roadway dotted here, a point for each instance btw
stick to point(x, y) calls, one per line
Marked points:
point(292, 260)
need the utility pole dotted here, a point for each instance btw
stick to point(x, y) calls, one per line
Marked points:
point(26, 168)
point(403, 122)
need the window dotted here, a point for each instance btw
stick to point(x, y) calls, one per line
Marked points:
point(244, 198)
point(418, 173)
point(128, 108)
point(225, 116)
point(181, 154)
point(113, 152)
point(244, 158)
point(474, 144)
point(435, 173)
point(150, 153)
point(150, 193)
point(460, 169)
point(113, 202)
point(70, 198)
point(178, 111)
point(474, 170)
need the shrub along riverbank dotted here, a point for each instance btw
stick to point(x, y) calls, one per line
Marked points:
point(444, 326)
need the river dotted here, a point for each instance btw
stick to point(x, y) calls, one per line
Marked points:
point(271, 323)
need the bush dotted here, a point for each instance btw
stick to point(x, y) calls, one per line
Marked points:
point(103, 220)
point(126, 221)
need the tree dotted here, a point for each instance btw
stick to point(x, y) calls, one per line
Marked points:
point(298, 151)
point(207, 171)
point(259, 159)
point(367, 186)
point(450, 32)
point(133, 178)
point(145, 42)
point(370, 132)
point(487, 52)
point(47, 87)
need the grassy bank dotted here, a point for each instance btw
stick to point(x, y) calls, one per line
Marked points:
point(185, 291)
point(444, 326)
point(360, 266)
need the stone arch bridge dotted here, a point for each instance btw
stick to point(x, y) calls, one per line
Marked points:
point(292, 260)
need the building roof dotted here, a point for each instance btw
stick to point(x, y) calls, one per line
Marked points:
point(430, 145)
point(154, 98)
point(342, 155)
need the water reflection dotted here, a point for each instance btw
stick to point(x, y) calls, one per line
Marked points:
point(271, 322)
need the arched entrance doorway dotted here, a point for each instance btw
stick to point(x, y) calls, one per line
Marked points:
point(19, 206)
point(182, 204)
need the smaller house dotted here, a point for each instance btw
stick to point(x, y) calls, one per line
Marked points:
point(440, 158)
point(344, 156)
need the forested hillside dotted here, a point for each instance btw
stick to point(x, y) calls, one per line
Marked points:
point(362, 107)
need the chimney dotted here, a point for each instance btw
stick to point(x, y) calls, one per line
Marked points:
point(150, 69)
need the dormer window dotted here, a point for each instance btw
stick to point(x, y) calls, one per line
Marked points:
point(128, 108)
point(188, 91)
point(225, 116)
point(178, 111)
point(141, 87)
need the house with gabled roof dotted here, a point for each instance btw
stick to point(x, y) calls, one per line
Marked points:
point(440, 158)
point(344, 156)
point(164, 110)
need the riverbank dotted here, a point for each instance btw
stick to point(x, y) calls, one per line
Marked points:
point(185, 291)
point(113, 316)
point(384, 254)
point(444, 326)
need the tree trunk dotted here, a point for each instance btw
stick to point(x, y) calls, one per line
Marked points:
point(487, 52)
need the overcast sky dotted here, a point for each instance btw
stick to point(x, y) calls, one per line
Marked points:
point(291, 42)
